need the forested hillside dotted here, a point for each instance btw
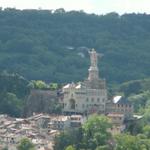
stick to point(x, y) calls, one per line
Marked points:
point(13, 92)
point(53, 45)
point(17, 96)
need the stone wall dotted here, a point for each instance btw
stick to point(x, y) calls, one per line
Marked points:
point(40, 101)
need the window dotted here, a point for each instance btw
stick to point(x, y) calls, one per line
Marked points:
point(92, 99)
point(87, 99)
point(72, 104)
point(82, 105)
point(64, 105)
point(98, 99)
point(103, 99)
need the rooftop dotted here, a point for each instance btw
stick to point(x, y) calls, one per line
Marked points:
point(120, 100)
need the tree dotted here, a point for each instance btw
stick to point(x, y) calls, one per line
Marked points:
point(146, 130)
point(70, 147)
point(93, 134)
point(10, 104)
point(39, 84)
point(67, 138)
point(25, 144)
point(140, 101)
point(104, 147)
point(129, 142)
point(95, 131)
point(14, 89)
point(40, 47)
point(53, 86)
point(132, 87)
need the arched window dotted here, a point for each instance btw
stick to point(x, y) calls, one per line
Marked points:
point(72, 104)
point(92, 99)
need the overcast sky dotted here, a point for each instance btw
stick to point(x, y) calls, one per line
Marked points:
point(89, 6)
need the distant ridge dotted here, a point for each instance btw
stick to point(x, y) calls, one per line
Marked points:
point(52, 46)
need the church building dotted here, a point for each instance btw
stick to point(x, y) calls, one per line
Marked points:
point(88, 96)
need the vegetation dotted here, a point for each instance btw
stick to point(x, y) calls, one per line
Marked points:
point(46, 46)
point(93, 135)
point(14, 89)
point(39, 84)
point(70, 147)
point(25, 144)
point(125, 141)
point(136, 91)
point(52, 45)
point(95, 132)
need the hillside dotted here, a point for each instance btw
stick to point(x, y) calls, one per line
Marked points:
point(13, 93)
point(52, 46)
point(138, 92)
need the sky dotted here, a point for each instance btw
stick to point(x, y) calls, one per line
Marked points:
point(89, 6)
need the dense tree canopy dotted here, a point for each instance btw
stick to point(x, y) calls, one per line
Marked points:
point(129, 142)
point(52, 45)
point(15, 94)
point(96, 132)
point(13, 91)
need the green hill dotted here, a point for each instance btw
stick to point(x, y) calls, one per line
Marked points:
point(52, 46)
point(136, 91)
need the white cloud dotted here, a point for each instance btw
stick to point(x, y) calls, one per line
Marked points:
point(122, 6)
point(97, 6)
point(48, 4)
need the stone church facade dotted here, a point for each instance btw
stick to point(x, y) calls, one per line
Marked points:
point(88, 96)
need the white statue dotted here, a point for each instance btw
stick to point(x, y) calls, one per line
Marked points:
point(93, 57)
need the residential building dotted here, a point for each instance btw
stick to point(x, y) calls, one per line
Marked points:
point(120, 105)
point(117, 120)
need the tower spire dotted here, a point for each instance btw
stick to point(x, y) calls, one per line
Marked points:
point(93, 70)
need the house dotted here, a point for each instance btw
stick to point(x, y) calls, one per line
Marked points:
point(120, 105)
point(117, 120)
point(77, 120)
point(59, 123)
